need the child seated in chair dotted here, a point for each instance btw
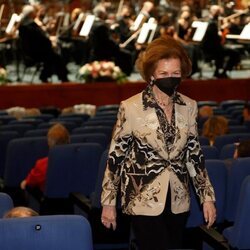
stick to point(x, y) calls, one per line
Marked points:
point(57, 135)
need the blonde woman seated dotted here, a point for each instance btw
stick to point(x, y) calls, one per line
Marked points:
point(20, 212)
point(57, 135)
point(215, 126)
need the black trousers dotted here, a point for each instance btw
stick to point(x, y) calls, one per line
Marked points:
point(161, 232)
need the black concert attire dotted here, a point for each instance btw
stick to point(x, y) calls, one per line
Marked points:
point(38, 47)
point(214, 50)
point(103, 47)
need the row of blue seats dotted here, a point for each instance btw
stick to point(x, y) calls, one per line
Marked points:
point(222, 140)
point(36, 121)
point(52, 232)
point(72, 159)
point(232, 202)
point(211, 152)
point(32, 148)
point(224, 105)
point(227, 188)
point(73, 168)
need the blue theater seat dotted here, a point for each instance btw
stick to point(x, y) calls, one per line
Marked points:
point(218, 175)
point(6, 203)
point(210, 152)
point(238, 234)
point(64, 232)
point(239, 170)
point(71, 168)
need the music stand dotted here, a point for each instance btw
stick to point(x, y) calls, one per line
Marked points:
point(244, 35)
point(138, 21)
point(1, 12)
point(78, 21)
point(147, 32)
point(87, 25)
point(15, 18)
point(200, 30)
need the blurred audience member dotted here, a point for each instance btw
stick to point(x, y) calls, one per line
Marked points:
point(205, 111)
point(213, 48)
point(57, 135)
point(18, 212)
point(20, 112)
point(215, 126)
point(246, 112)
point(88, 109)
point(242, 149)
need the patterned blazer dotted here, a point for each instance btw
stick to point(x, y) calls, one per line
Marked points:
point(148, 154)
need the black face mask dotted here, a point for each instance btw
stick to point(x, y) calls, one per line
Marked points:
point(168, 85)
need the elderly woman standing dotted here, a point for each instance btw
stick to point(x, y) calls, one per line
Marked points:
point(155, 152)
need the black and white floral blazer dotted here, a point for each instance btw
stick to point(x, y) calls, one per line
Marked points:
point(148, 154)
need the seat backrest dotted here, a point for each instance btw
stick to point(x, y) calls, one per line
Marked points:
point(96, 197)
point(95, 137)
point(218, 176)
point(238, 235)
point(44, 117)
point(20, 128)
point(36, 132)
point(69, 125)
point(72, 168)
point(100, 122)
point(107, 130)
point(64, 232)
point(227, 152)
point(22, 155)
point(108, 107)
point(6, 203)
point(247, 124)
point(105, 118)
point(5, 138)
point(84, 117)
point(239, 170)
point(203, 140)
point(222, 140)
point(236, 129)
point(233, 122)
point(107, 113)
point(76, 120)
point(30, 121)
point(207, 103)
point(5, 119)
point(229, 103)
point(210, 152)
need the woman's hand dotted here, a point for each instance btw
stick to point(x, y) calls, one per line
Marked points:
point(108, 217)
point(209, 212)
point(23, 184)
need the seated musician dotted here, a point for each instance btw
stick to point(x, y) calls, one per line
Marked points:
point(104, 47)
point(37, 46)
point(213, 49)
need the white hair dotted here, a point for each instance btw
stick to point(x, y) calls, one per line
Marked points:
point(27, 9)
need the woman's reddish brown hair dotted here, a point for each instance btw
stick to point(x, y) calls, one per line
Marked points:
point(162, 48)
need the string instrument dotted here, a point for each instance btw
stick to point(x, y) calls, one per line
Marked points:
point(224, 27)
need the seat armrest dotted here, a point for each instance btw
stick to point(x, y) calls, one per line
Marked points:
point(214, 238)
point(81, 201)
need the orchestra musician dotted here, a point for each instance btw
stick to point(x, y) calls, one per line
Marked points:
point(213, 49)
point(104, 47)
point(37, 46)
point(77, 49)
